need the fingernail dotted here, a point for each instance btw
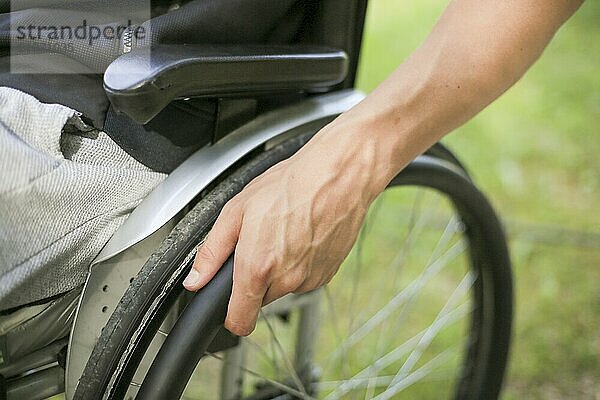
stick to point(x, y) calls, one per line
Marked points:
point(192, 279)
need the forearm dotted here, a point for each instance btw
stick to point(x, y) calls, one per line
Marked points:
point(477, 50)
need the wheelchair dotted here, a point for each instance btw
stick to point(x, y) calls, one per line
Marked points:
point(421, 307)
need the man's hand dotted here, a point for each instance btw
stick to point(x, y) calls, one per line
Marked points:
point(291, 227)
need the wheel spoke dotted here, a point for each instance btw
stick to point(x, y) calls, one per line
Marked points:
point(402, 298)
point(417, 375)
point(286, 359)
point(367, 381)
point(359, 259)
point(357, 383)
point(336, 330)
point(397, 353)
point(431, 332)
point(378, 381)
point(444, 239)
point(287, 389)
point(437, 261)
point(416, 224)
point(270, 359)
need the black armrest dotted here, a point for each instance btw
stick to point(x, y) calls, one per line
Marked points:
point(141, 83)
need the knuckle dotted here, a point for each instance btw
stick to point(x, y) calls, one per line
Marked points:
point(252, 293)
point(206, 252)
point(314, 282)
point(250, 287)
point(292, 283)
point(230, 211)
point(229, 208)
point(238, 328)
point(321, 281)
point(301, 290)
point(260, 274)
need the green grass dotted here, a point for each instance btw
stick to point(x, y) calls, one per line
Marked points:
point(535, 154)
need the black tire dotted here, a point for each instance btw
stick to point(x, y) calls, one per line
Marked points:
point(154, 290)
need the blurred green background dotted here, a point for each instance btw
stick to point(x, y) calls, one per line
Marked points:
point(535, 153)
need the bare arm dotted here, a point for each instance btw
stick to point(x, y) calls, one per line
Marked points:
point(477, 50)
point(293, 226)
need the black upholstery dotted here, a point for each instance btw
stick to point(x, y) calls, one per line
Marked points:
point(196, 21)
point(332, 23)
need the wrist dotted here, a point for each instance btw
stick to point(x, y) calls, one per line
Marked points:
point(353, 149)
point(385, 141)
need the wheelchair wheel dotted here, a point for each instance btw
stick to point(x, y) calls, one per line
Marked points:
point(421, 308)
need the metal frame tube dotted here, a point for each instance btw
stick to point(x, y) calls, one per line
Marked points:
point(37, 385)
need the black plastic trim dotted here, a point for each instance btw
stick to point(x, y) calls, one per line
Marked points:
point(142, 82)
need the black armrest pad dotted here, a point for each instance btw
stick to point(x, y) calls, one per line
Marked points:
point(141, 83)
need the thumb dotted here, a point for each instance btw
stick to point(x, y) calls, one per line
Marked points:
point(218, 246)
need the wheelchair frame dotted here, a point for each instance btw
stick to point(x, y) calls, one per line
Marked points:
point(125, 253)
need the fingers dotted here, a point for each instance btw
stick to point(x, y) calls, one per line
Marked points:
point(217, 247)
point(249, 288)
point(285, 285)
